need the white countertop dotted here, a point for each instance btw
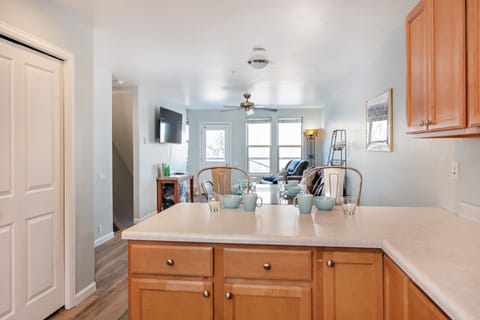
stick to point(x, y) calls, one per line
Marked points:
point(438, 250)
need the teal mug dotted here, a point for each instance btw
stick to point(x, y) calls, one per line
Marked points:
point(303, 202)
point(251, 201)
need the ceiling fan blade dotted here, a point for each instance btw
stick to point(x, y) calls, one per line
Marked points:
point(232, 107)
point(266, 108)
point(236, 108)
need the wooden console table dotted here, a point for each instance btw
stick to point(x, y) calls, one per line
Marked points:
point(175, 180)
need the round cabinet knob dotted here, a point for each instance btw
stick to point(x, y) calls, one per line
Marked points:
point(267, 266)
point(228, 296)
point(170, 262)
point(330, 263)
point(206, 294)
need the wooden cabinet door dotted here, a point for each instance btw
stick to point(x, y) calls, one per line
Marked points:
point(394, 291)
point(436, 67)
point(352, 283)
point(418, 46)
point(448, 107)
point(170, 299)
point(473, 64)
point(421, 307)
point(261, 302)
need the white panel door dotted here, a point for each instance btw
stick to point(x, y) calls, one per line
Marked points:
point(31, 187)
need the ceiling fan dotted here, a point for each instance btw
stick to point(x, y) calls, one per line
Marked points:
point(248, 106)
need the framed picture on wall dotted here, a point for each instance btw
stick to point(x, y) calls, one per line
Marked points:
point(379, 122)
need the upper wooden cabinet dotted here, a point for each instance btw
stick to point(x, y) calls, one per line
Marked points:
point(418, 60)
point(352, 285)
point(436, 72)
point(473, 64)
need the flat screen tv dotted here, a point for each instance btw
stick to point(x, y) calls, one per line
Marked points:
point(168, 126)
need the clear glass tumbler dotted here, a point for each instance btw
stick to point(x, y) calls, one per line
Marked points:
point(253, 184)
point(349, 204)
point(214, 202)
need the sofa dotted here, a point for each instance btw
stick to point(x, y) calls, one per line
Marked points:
point(293, 170)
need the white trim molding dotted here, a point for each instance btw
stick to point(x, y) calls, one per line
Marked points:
point(103, 239)
point(138, 220)
point(469, 211)
point(69, 147)
point(85, 292)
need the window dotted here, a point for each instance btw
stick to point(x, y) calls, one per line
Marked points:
point(215, 146)
point(259, 145)
point(289, 140)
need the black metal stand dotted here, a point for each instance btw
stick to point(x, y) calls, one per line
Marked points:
point(337, 156)
point(311, 150)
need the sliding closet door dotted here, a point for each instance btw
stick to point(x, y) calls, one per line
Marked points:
point(31, 187)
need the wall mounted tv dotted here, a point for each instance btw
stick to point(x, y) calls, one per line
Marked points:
point(168, 126)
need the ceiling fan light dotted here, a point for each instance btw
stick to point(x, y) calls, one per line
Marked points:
point(249, 112)
point(258, 60)
point(258, 63)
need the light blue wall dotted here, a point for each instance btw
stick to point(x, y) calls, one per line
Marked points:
point(417, 172)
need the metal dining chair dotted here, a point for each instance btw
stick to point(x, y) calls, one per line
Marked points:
point(207, 188)
point(220, 179)
point(334, 181)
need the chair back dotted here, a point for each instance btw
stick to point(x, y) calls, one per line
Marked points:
point(334, 181)
point(206, 188)
point(220, 178)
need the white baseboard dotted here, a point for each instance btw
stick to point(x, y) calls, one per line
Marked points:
point(137, 220)
point(103, 239)
point(469, 211)
point(85, 293)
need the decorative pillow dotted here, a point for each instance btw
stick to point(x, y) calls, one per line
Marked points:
point(292, 167)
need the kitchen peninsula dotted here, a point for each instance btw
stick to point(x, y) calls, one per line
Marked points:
point(233, 264)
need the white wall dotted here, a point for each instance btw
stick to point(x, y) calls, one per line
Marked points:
point(59, 27)
point(102, 115)
point(417, 172)
point(149, 154)
point(312, 118)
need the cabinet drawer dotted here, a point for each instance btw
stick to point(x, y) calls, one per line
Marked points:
point(267, 264)
point(171, 260)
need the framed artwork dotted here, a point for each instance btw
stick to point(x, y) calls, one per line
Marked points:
point(379, 122)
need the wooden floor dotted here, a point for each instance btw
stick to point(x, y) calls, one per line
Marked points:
point(110, 301)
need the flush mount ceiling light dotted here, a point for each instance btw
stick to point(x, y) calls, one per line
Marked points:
point(258, 60)
point(117, 82)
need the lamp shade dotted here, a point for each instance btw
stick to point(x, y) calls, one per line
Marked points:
point(310, 132)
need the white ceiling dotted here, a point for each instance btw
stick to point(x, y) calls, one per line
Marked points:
point(196, 51)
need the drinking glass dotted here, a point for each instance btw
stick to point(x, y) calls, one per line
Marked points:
point(253, 184)
point(349, 204)
point(214, 202)
point(282, 185)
